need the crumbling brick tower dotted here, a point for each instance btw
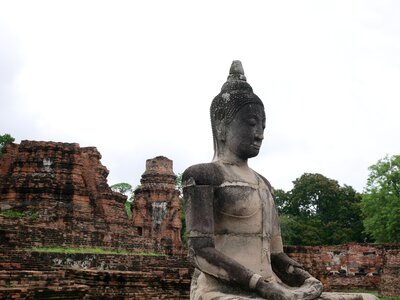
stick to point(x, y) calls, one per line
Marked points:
point(60, 191)
point(156, 210)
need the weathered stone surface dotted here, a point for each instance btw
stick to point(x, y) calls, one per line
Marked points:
point(156, 209)
point(232, 225)
point(233, 230)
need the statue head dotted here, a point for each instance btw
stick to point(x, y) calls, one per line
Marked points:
point(235, 94)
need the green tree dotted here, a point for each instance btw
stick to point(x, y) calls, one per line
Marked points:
point(319, 211)
point(125, 189)
point(297, 231)
point(5, 139)
point(381, 200)
point(182, 204)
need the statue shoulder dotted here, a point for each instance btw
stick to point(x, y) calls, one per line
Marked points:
point(203, 174)
point(271, 189)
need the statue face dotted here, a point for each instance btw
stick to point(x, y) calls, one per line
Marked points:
point(245, 133)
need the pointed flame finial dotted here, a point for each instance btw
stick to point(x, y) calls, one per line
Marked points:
point(236, 71)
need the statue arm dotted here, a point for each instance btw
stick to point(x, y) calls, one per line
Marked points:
point(287, 269)
point(276, 238)
point(282, 264)
point(293, 274)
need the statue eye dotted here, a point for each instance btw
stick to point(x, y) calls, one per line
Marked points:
point(252, 122)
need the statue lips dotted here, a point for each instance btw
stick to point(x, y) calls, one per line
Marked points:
point(256, 146)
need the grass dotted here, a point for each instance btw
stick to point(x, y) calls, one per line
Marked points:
point(380, 297)
point(12, 214)
point(34, 215)
point(94, 251)
point(385, 298)
point(388, 298)
point(9, 213)
point(375, 293)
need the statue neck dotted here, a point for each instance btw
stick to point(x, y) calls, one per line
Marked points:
point(231, 159)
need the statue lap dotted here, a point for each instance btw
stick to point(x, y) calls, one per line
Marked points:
point(221, 291)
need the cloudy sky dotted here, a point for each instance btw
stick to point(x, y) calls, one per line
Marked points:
point(136, 79)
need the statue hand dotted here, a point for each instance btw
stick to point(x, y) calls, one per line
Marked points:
point(311, 288)
point(285, 267)
point(273, 290)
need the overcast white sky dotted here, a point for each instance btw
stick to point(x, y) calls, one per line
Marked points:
point(136, 80)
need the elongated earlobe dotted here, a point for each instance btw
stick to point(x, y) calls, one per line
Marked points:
point(221, 132)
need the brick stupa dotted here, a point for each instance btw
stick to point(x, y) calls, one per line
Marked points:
point(156, 209)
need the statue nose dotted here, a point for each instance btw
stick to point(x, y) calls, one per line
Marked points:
point(259, 135)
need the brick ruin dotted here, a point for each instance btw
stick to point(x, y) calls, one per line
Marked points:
point(56, 195)
point(61, 189)
point(156, 210)
point(62, 195)
point(38, 275)
point(32, 274)
point(353, 266)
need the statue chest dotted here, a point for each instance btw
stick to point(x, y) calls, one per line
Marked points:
point(243, 224)
point(240, 208)
point(237, 200)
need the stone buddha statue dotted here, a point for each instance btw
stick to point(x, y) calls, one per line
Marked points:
point(232, 223)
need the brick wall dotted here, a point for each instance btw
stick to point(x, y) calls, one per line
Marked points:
point(33, 275)
point(390, 281)
point(353, 266)
point(344, 267)
point(157, 284)
point(39, 285)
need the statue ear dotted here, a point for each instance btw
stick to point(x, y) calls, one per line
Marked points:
point(221, 132)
